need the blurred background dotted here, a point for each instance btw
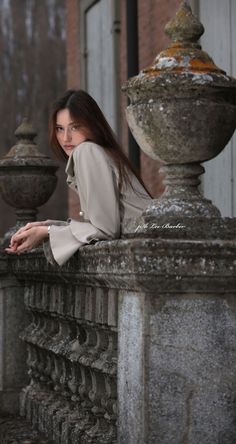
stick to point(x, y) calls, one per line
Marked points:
point(32, 75)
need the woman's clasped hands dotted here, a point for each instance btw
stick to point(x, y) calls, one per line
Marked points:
point(28, 237)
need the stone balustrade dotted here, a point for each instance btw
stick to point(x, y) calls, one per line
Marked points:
point(176, 330)
point(72, 353)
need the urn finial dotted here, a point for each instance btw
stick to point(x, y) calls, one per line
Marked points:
point(184, 27)
point(184, 54)
point(25, 131)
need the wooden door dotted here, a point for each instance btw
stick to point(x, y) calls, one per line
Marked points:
point(100, 20)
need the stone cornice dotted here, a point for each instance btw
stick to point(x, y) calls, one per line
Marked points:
point(172, 266)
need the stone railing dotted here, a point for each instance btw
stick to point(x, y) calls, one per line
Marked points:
point(72, 351)
point(176, 328)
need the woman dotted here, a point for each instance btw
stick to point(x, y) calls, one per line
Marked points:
point(108, 187)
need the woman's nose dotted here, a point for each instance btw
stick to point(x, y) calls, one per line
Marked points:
point(67, 134)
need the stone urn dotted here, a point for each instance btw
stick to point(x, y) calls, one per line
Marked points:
point(183, 111)
point(27, 177)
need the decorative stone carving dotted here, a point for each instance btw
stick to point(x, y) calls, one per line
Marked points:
point(72, 363)
point(27, 177)
point(182, 111)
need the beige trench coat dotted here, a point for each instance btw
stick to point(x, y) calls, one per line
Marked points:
point(92, 173)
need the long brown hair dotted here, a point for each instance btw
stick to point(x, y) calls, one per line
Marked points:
point(84, 110)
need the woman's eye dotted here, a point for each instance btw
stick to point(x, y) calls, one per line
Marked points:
point(75, 128)
point(59, 129)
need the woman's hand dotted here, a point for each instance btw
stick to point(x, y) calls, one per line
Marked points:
point(28, 237)
point(31, 225)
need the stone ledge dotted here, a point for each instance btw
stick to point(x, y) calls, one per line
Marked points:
point(173, 265)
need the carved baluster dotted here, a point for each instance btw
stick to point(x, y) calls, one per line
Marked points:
point(108, 400)
point(48, 370)
point(55, 375)
point(78, 414)
point(37, 332)
point(101, 301)
point(38, 297)
point(79, 302)
point(107, 360)
point(59, 302)
point(30, 329)
point(79, 349)
point(57, 402)
point(42, 366)
point(76, 342)
point(90, 304)
point(55, 405)
point(98, 387)
point(66, 408)
point(65, 374)
point(30, 297)
point(34, 365)
point(25, 395)
point(91, 353)
point(69, 310)
point(53, 299)
point(99, 427)
point(30, 358)
point(73, 382)
point(45, 297)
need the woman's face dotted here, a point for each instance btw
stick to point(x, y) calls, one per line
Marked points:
point(69, 134)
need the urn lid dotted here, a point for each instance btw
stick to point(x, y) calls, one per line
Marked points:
point(184, 53)
point(183, 64)
point(25, 152)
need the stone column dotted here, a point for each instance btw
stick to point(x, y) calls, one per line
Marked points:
point(177, 343)
point(177, 324)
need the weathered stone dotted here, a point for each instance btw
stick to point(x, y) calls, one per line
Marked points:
point(27, 177)
point(177, 340)
point(12, 350)
point(176, 368)
point(16, 430)
point(72, 354)
point(170, 292)
point(183, 111)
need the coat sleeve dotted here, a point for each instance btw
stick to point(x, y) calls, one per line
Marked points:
point(96, 180)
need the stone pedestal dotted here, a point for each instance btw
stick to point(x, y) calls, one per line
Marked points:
point(177, 344)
